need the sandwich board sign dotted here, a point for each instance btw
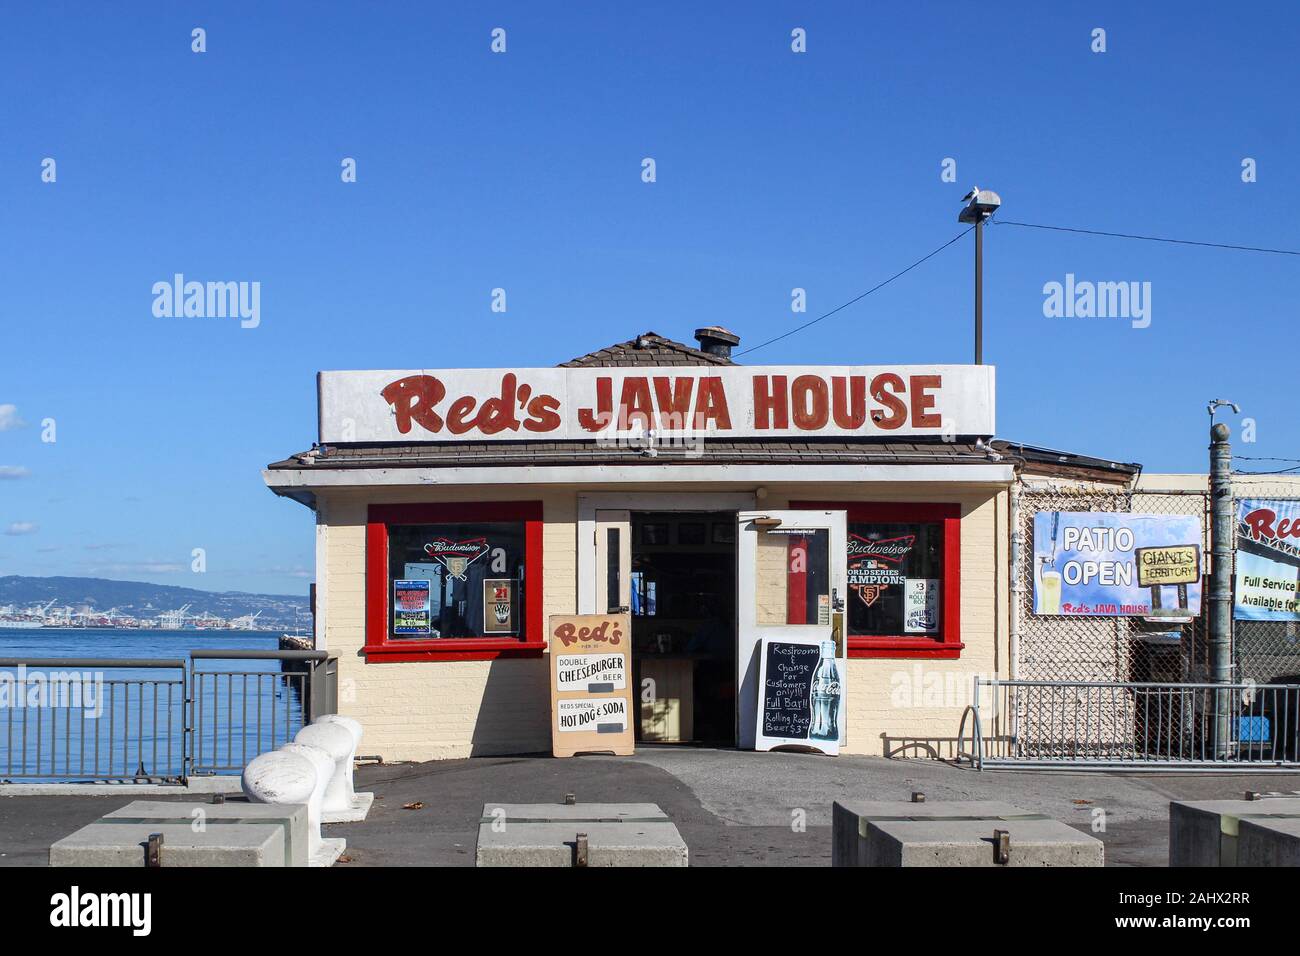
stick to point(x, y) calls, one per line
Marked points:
point(591, 684)
point(800, 695)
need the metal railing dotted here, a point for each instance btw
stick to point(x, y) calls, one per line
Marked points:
point(92, 719)
point(155, 720)
point(1114, 725)
point(236, 714)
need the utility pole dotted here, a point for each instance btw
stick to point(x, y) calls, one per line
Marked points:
point(981, 204)
point(1220, 618)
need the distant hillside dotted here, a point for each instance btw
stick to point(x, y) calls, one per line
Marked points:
point(139, 599)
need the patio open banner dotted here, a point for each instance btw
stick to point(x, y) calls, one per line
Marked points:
point(1268, 560)
point(1117, 564)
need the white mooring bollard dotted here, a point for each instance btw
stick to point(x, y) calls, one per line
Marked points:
point(336, 742)
point(285, 779)
point(357, 805)
point(322, 852)
point(276, 777)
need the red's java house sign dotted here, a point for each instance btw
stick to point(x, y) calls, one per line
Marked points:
point(592, 403)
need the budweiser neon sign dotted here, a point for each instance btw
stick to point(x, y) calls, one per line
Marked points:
point(456, 556)
point(893, 550)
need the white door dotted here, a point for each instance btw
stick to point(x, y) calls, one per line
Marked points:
point(791, 583)
point(613, 562)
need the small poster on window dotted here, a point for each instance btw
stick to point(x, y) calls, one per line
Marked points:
point(433, 573)
point(411, 607)
point(498, 605)
point(921, 606)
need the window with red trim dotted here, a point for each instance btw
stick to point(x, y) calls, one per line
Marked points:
point(454, 581)
point(904, 578)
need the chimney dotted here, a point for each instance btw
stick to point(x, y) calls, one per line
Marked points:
point(717, 341)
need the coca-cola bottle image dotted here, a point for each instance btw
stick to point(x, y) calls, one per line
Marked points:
point(826, 696)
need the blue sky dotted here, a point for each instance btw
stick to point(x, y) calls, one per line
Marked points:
point(522, 170)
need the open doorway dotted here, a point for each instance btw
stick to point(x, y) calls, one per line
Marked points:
point(683, 607)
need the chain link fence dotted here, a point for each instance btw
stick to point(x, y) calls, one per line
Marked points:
point(1130, 650)
point(1113, 650)
point(1106, 648)
point(1266, 651)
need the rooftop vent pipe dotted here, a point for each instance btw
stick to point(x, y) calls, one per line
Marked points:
point(717, 341)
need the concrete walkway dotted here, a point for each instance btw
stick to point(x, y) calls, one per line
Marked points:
point(733, 808)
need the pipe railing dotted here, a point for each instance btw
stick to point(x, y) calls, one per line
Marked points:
point(1120, 725)
point(155, 720)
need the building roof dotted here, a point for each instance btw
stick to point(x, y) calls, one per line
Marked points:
point(1050, 462)
point(709, 452)
point(648, 348)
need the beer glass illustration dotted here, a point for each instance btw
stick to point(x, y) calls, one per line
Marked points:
point(1049, 589)
point(1049, 579)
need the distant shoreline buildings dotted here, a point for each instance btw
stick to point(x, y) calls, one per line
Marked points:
point(179, 619)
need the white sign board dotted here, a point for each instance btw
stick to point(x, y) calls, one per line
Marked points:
point(592, 673)
point(419, 405)
point(592, 715)
point(920, 605)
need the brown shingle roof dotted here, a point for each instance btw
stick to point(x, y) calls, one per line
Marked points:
point(708, 452)
point(648, 348)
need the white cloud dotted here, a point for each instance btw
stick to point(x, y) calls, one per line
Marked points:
point(22, 527)
point(9, 418)
point(13, 471)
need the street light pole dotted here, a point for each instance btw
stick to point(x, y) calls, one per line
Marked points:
point(1220, 616)
point(981, 204)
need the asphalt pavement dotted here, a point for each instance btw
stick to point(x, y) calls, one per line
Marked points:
point(733, 808)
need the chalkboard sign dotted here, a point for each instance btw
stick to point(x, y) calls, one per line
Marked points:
point(800, 695)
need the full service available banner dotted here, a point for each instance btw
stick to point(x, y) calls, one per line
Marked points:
point(1268, 560)
point(1116, 564)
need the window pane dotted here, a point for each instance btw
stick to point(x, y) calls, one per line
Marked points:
point(895, 576)
point(612, 555)
point(793, 577)
point(456, 580)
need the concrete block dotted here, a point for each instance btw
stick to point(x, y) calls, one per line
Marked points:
point(623, 834)
point(123, 844)
point(1205, 832)
point(970, 843)
point(291, 818)
point(1268, 842)
point(849, 820)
